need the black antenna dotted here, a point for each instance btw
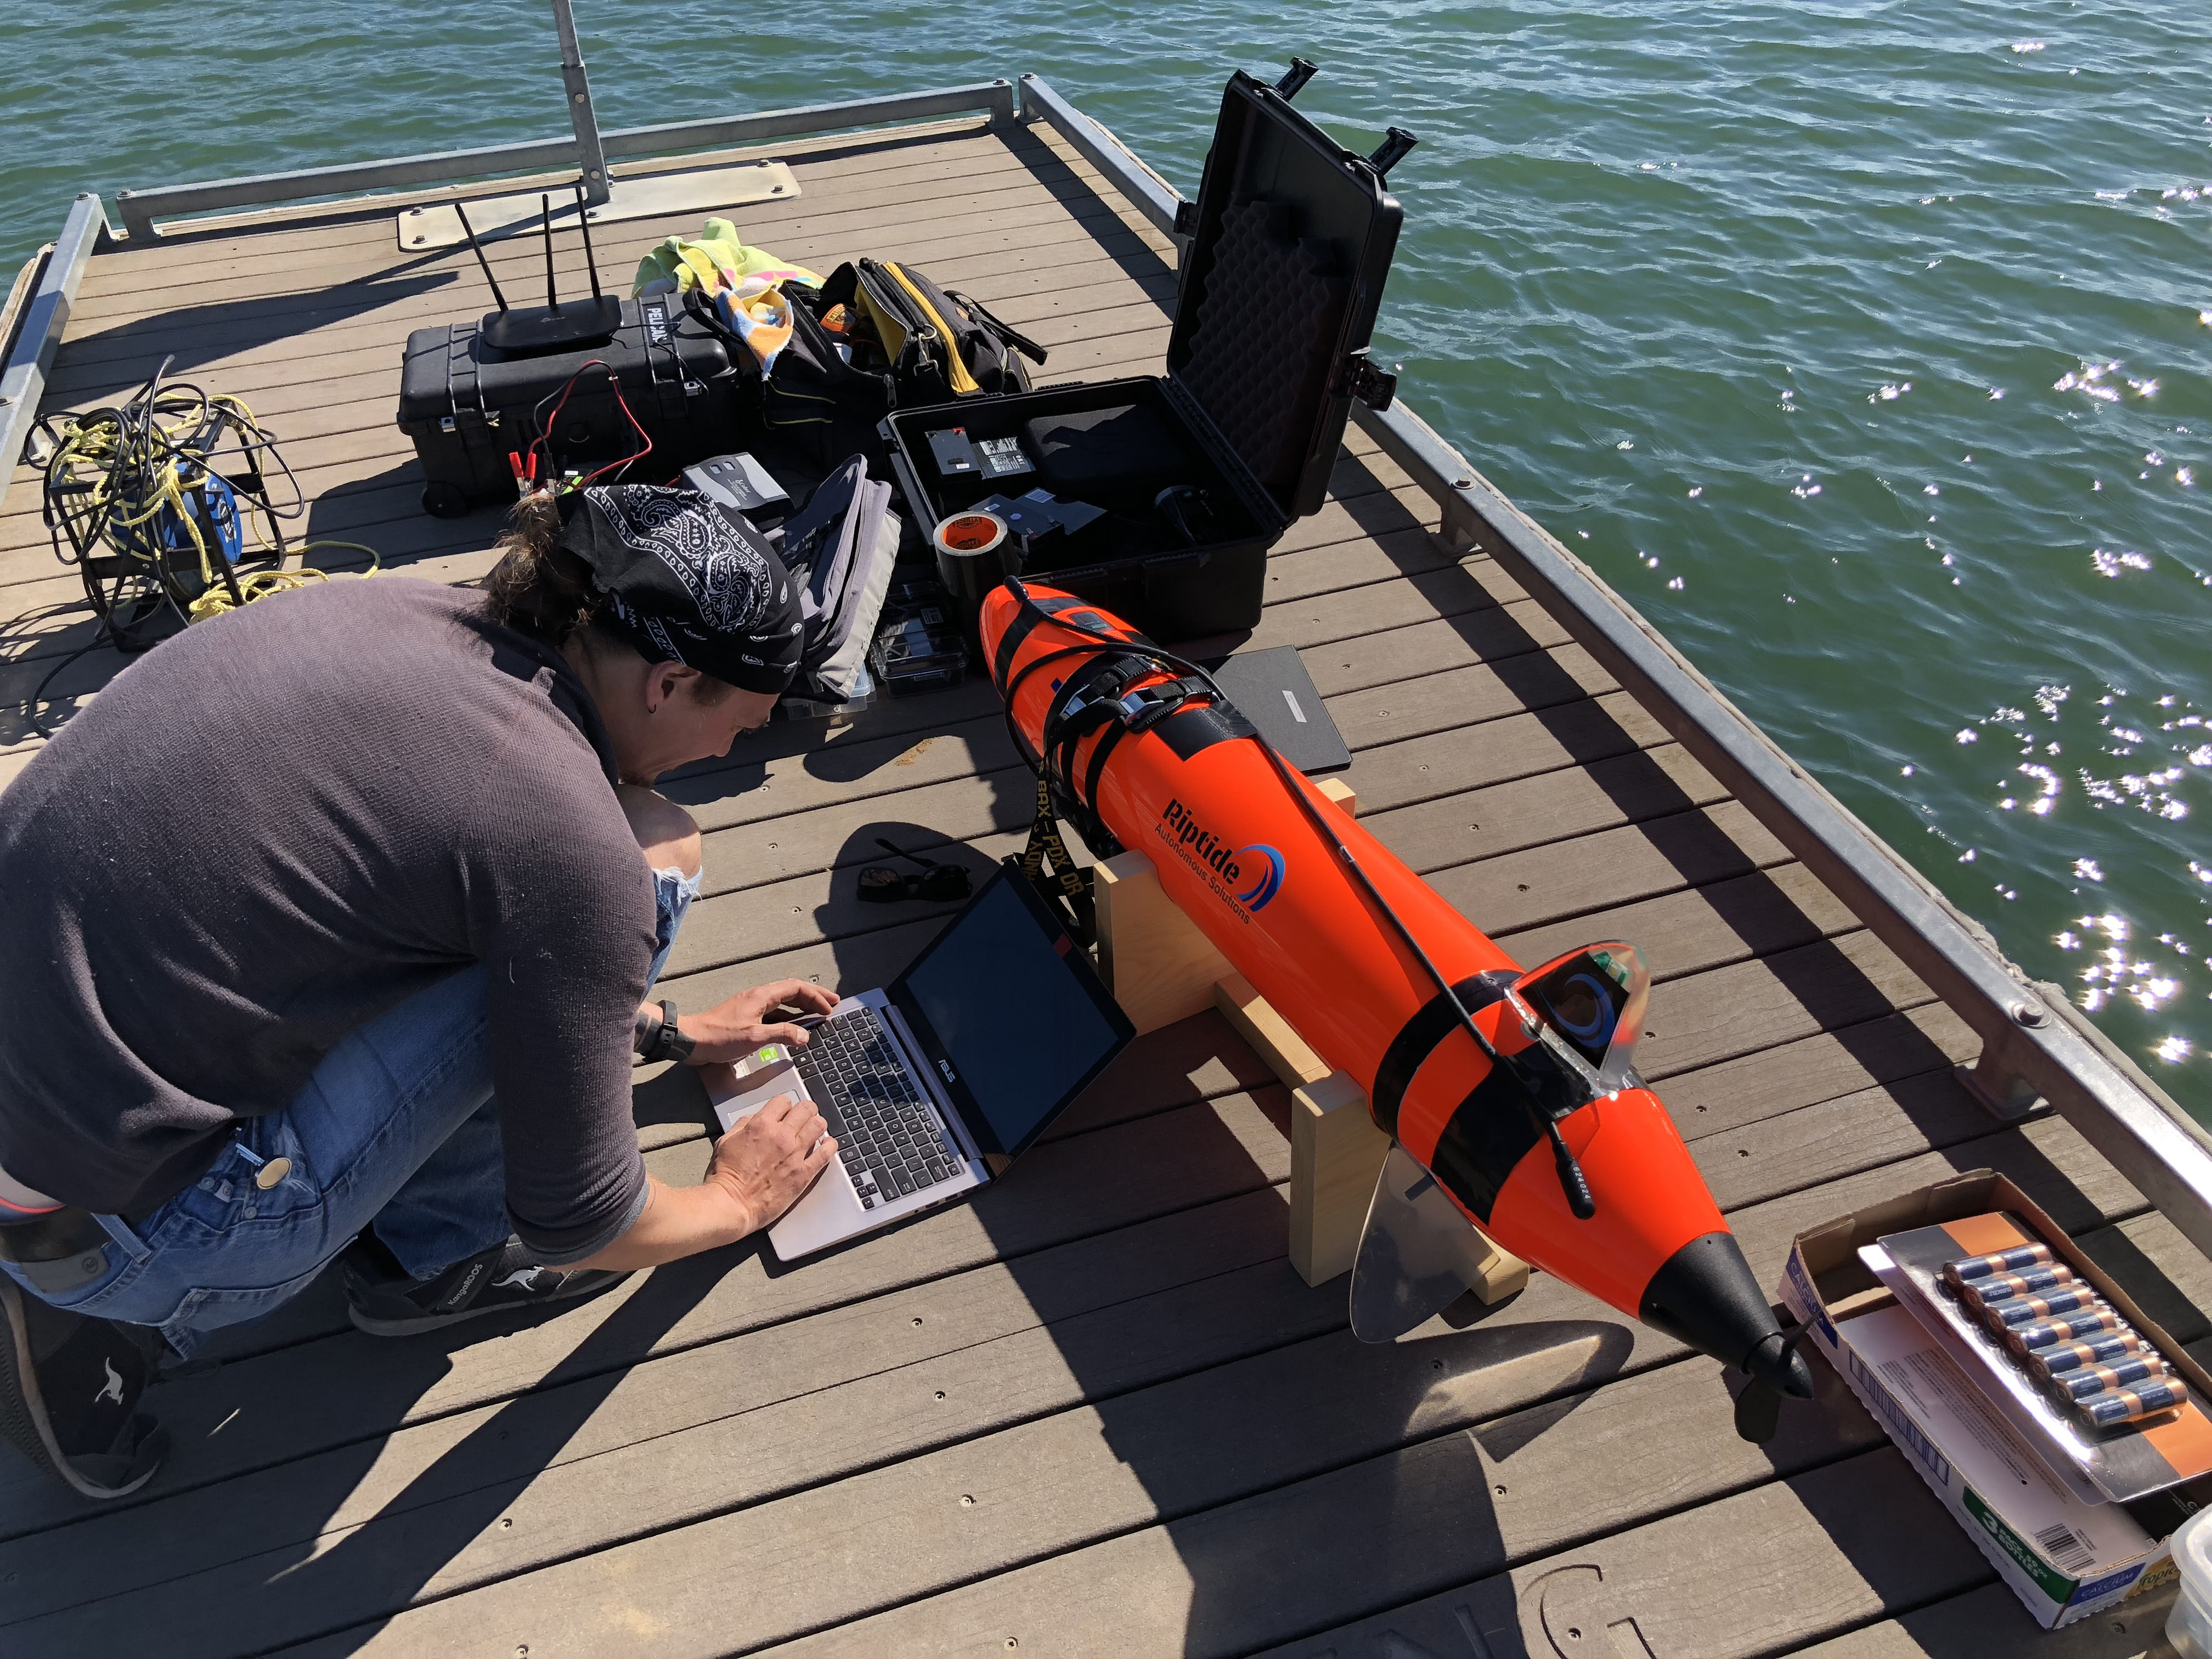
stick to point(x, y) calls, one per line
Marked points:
point(476, 248)
point(546, 212)
point(549, 327)
point(584, 224)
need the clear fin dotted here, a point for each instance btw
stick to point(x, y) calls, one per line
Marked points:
point(1418, 1256)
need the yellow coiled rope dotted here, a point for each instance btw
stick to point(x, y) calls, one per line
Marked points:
point(111, 474)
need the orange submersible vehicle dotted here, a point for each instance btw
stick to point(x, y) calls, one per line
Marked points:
point(1513, 1091)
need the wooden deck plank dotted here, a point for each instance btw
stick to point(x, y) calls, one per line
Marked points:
point(825, 904)
point(367, 221)
point(1124, 326)
point(1460, 582)
point(305, 260)
point(1362, 511)
point(1307, 551)
point(965, 222)
point(1145, 1083)
point(837, 199)
point(1211, 1445)
point(262, 1430)
point(1458, 1505)
point(910, 1371)
point(1366, 534)
point(1171, 1160)
point(294, 377)
point(560, 1512)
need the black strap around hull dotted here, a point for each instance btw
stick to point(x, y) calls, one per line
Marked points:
point(1490, 1131)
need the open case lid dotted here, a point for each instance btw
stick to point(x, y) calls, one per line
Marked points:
point(1292, 238)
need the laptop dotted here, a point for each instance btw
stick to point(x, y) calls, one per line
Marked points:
point(932, 1084)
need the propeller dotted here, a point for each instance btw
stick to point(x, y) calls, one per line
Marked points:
point(1774, 1370)
point(1417, 1257)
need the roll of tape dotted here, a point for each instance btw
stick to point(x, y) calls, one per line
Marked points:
point(969, 533)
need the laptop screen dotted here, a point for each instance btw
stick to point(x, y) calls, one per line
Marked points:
point(1017, 1022)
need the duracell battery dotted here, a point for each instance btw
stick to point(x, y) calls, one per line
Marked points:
point(2018, 1260)
point(2107, 1411)
point(2001, 1316)
point(2110, 1349)
point(2070, 1386)
point(2090, 1326)
point(2003, 1287)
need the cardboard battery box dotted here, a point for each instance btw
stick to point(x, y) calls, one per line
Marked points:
point(2113, 1467)
point(2064, 1556)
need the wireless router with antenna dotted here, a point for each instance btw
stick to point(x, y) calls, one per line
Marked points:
point(552, 326)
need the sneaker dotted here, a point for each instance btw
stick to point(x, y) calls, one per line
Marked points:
point(492, 1281)
point(69, 1394)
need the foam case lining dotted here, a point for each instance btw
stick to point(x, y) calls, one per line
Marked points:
point(1291, 245)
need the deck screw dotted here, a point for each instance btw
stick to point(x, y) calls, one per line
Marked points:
point(967, 1500)
point(940, 1393)
point(2027, 1014)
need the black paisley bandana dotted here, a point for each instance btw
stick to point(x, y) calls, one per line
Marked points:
point(684, 584)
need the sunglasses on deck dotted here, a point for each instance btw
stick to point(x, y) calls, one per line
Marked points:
point(936, 882)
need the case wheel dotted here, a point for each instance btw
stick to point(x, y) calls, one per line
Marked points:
point(442, 499)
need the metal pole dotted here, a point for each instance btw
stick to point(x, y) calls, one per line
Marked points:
point(46, 314)
point(591, 159)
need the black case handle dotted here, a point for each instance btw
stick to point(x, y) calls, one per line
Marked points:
point(1396, 142)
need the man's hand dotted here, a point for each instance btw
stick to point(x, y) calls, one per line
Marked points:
point(759, 1169)
point(768, 1159)
point(732, 1030)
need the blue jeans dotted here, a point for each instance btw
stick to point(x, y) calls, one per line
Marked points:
point(397, 1127)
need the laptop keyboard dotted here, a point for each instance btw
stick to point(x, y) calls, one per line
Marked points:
point(887, 1132)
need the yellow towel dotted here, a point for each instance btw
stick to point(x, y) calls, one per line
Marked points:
point(717, 260)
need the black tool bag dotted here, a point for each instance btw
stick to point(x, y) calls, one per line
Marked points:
point(937, 343)
point(1185, 480)
point(659, 377)
point(814, 398)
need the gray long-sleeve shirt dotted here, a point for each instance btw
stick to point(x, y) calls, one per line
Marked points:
point(274, 827)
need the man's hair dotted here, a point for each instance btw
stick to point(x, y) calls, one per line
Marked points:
point(540, 588)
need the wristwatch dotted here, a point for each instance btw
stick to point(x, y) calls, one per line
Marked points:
point(658, 1038)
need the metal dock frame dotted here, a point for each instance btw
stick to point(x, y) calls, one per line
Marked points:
point(29, 338)
point(2036, 1044)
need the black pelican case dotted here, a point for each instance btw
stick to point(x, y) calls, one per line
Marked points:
point(1291, 238)
point(467, 404)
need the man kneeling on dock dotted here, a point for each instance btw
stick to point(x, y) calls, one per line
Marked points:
point(328, 932)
